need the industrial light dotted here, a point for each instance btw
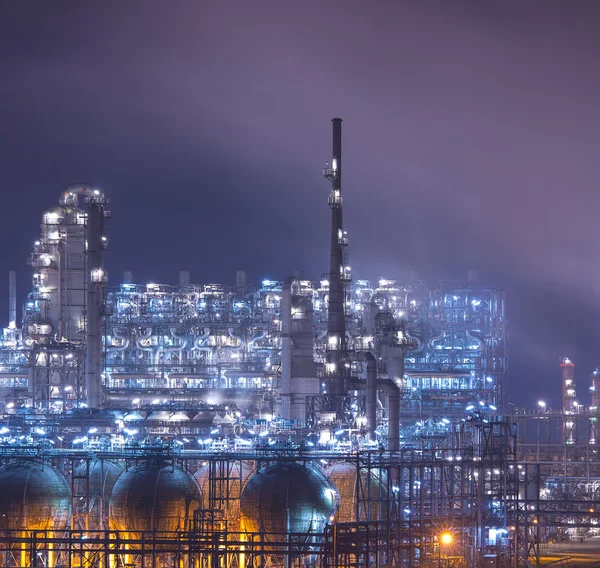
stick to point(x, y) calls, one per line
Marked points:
point(446, 538)
point(541, 403)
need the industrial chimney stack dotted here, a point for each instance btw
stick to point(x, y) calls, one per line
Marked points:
point(339, 274)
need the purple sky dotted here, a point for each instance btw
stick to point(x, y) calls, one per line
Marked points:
point(471, 140)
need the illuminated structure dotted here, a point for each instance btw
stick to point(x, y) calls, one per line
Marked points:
point(57, 354)
point(365, 415)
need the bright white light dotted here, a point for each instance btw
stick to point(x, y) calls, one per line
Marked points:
point(156, 401)
point(10, 405)
point(541, 403)
point(92, 430)
point(493, 407)
point(136, 401)
point(40, 431)
point(470, 407)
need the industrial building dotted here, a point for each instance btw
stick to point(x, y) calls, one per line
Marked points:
point(336, 422)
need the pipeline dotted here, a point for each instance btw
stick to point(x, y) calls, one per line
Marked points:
point(125, 341)
point(373, 385)
point(201, 341)
point(175, 347)
point(146, 335)
point(237, 347)
point(261, 335)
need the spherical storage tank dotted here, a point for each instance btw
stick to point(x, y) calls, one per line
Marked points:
point(33, 496)
point(97, 482)
point(286, 498)
point(153, 495)
point(368, 490)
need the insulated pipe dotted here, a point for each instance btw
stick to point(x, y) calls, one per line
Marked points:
point(371, 404)
point(125, 340)
point(240, 339)
point(394, 417)
point(200, 342)
point(261, 335)
point(147, 335)
point(12, 298)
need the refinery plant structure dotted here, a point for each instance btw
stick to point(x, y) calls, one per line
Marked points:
point(337, 422)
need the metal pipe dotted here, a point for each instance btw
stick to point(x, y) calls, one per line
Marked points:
point(394, 417)
point(373, 385)
point(371, 403)
point(12, 298)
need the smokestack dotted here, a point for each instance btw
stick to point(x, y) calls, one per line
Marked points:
point(338, 273)
point(128, 277)
point(184, 277)
point(12, 298)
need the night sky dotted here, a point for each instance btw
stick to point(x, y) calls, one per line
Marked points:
point(471, 140)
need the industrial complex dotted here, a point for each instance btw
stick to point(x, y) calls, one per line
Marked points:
point(292, 423)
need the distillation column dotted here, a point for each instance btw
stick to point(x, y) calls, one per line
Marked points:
point(96, 215)
point(339, 275)
point(298, 370)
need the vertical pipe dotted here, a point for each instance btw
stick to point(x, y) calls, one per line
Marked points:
point(394, 418)
point(12, 298)
point(371, 403)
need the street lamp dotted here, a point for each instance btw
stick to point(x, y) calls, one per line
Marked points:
point(542, 404)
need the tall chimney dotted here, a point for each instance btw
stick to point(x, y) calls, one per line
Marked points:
point(12, 298)
point(339, 275)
